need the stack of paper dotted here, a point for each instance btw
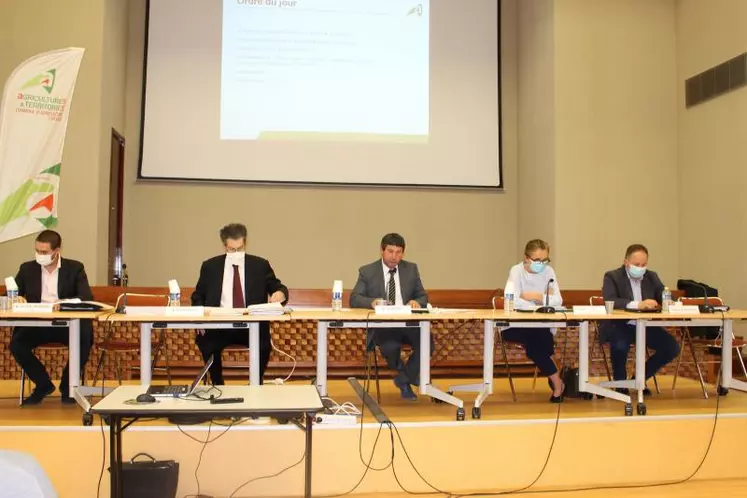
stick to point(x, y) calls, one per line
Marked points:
point(266, 309)
point(226, 311)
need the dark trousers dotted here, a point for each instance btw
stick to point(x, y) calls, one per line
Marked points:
point(26, 339)
point(213, 342)
point(621, 336)
point(390, 342)
point(538, 344)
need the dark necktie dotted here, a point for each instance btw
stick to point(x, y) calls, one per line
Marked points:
point(392, 293)
point(238, 293)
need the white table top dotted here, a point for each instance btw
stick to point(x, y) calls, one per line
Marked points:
point(267, 399)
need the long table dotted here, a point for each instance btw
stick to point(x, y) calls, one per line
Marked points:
point(360, 318)
point(61, 319)
point(288, 402)
point(149, 322)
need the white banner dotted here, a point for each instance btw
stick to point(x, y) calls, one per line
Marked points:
point(33, 121)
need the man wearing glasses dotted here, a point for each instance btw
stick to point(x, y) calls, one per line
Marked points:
point(235, 280)
point(530, 280)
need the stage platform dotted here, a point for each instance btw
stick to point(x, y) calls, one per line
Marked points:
point(595, 445)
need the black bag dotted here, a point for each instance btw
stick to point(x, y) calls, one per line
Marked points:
point(693, 288)
point(149, 479)
point(570, 379)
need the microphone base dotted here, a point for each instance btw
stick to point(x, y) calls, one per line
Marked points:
point(545, 309)
point(705, 308)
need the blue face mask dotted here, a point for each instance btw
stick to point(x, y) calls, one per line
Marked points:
point(537, 266)
point(636, 271)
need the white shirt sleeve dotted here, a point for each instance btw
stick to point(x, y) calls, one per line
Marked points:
point(556, 299)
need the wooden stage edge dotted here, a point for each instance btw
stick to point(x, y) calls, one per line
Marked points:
point(594, 445)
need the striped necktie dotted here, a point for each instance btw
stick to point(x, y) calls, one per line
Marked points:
point(392, 291)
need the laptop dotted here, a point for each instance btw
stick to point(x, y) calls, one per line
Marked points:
point(179, 391)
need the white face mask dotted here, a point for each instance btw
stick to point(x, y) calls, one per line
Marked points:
point(44, 259)
point(235, 257)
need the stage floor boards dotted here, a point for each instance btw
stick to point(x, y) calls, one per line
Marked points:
point(687, 399)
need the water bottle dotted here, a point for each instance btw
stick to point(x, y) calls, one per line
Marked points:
point(12, 297)
point(337, 295)
point(508, 299)
point(666, 299)
point(175, 299)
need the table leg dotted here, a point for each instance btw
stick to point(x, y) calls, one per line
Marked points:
point(425, 356)
point(727, 351)
point(254, 378)
point(321, 357)
point(73, 363)
point(115, 456)
point(145, 352)
point(640, 358)
point(307, 476)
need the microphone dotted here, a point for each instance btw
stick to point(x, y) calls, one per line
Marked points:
point(125, 281)
point(547, 308)
point(705, 307)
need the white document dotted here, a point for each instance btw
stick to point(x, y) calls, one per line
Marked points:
point(266, 309)
point(590, 310)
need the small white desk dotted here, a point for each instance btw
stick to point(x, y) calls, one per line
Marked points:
point(287, 402)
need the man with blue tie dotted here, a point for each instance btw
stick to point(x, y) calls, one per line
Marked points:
point(634, 287)
point(397, 282)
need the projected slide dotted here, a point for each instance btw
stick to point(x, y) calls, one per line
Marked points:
point(328, 70)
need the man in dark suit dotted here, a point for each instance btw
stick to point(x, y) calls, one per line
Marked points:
point(235, 280)
point(49, 279)
point(633, 286)
point(395, 281)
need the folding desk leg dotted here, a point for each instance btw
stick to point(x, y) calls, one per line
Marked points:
point(254, 378)
point(307, 477)
point(321, 357)
point(73, 364)
point(145, 352)
point(640, 363)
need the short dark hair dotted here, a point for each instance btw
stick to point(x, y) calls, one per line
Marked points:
point(50, 237)
point(535, 244)
point(635, 248)
point(392, 239)
point(233, 231)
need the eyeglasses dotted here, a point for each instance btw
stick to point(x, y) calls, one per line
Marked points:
point(538, 260)
point(232, 250)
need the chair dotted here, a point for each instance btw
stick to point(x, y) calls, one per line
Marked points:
point(497, 303)
point(119, 348)
point(599, 301)
point(52, 346)
point(372, 366)
point(689, 341)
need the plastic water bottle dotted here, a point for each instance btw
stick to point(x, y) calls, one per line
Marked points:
point(175, 299)
point(508, 299)
point(666, 299)
point(12, 297)
point(337, 295)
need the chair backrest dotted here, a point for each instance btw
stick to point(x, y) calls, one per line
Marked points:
point(497, 302)
point(134, 299)
point(695, 301)
point(596, 301)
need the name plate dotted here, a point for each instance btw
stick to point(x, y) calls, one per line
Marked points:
point(185, 311)
point(590, 310)
point(684, 310)
point(33, 307)
point(393, 310)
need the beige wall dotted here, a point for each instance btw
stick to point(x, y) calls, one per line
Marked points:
point(536, 69)
point(460, 239)
point(712, 150)
point(28, 27)
point(616, 136)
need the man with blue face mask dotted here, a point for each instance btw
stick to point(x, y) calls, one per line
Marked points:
point(530, 280)
point(634, 286)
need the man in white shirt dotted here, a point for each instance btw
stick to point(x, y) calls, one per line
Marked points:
point(633, 286)
point(535, 284)
point(235, 279)
point(48, 279)
point(394, 281)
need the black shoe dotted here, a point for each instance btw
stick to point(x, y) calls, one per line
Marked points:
point(623, 390)
point(38, 394)
point(647, 391)
point(556, 399)
point(405, 391)
point(67, 400)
